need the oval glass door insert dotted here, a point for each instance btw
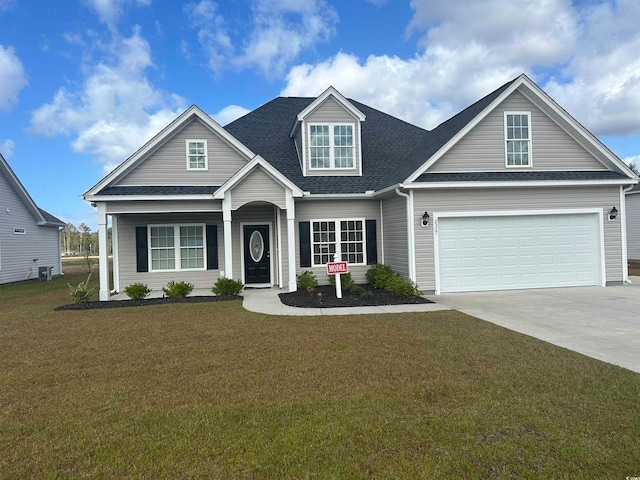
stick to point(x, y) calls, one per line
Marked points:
point(256, 246)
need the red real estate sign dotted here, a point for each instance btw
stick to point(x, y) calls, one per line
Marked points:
point(337, 267)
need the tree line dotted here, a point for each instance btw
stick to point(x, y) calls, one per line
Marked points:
point(80, 240)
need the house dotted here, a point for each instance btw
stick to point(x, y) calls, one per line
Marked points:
point(633, 223)
point(29, 236)
point(510, 193)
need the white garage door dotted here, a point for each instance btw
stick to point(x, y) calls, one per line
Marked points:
point(514, 252)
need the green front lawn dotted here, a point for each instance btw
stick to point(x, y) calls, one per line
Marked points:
point(211, 391)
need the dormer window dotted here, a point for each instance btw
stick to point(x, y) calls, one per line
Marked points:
point(197, 155)
point(331, 146)
point(518, 139)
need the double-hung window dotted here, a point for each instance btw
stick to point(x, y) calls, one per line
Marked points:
point(518, 139)
point(343, 237)
point(177, 247)
point(197, 155)
point(331, 146)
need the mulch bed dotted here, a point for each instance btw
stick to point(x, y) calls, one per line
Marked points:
point(325, 297)
point(146, 301)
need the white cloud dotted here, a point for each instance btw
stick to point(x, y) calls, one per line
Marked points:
point(212, 33)
point(635, 160)
point(229, 113)
point(14, 78)
point(6, 4)
point(115, 110)
point(110, 11)
point(7, 147)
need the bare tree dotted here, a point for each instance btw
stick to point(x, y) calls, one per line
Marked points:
point(85, 243)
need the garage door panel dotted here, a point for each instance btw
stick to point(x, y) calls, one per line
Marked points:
point(509, 252)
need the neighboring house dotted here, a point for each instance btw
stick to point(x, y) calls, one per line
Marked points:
point(29, 236)
point(633, 223)
point(510, 193)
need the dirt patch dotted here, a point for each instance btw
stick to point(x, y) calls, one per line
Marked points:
point(325, 297)
point(146, 301)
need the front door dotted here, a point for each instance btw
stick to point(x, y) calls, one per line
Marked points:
point(256, 254)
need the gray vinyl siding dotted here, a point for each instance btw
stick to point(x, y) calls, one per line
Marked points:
point(258, 185)
point(167, 165)
point(156, 280)
point(21, 255)
point(332, 112)
point(337, 210)
point(396, 242)
point(150, 206)
point(633, 226)
point(483, 148)
point(462, 200)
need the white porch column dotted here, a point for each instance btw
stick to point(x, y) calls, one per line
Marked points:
point(228, 239)
point(291, 241)
point(104, 251)
point(116, 258)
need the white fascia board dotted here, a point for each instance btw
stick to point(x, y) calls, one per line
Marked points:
point(337, 196)
point(128, 198)
point(332, 92)
point(521, 183)
point(244, 171)
point(164, 134)
point(447, 146)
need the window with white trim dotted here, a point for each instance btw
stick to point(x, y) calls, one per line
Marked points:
point(177, 247)
point(517, 127)
point(331, 146)
point(19, 231)
point(343, 237)
point(197, 155)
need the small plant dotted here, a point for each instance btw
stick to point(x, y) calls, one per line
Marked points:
point(82, 293)
point(378, 275)
point(402, 287)
point(137, 291)
point(307, 281)
point(227, 286)
point(346, 281)
point(365, 294)
point(177, 289)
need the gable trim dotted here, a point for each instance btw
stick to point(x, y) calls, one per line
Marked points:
point(192, 112)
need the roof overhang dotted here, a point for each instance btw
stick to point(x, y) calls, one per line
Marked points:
point(515, 184)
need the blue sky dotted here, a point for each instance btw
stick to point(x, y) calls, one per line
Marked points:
point(84, 83)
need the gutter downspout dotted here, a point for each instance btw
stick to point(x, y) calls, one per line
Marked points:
point(410, 235)
point(623, 232)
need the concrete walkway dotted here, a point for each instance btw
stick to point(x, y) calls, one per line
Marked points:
point(602, 323)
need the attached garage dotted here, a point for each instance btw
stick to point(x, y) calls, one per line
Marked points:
point(516, 250)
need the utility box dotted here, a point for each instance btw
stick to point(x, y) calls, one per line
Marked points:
point(44, 273)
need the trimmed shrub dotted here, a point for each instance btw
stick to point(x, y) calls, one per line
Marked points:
point(402, 287)
point(177, 289)
point(137, 291)
point(307, 281)
point(345, 280)
point(227, 286)
point(365, 294)
point(82, 293)
point(378, 275)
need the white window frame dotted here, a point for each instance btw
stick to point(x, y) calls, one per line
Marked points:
point(176, 246)
point(528, 140)
point(188, 156)
point(333, 146)
point(19, 231)
point(338, 241)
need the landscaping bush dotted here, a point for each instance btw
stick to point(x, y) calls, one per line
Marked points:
point(307, 281)
point(378, 275)
point(137, 291)
point(227, 286)
point(82, 293)
point(345, 280)
point(402, 287)
point(177, 289)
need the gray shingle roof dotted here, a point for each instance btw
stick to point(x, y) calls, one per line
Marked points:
point(158, 190)
point(519, 176)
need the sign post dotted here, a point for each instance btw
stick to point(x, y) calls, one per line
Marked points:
point(336, 268)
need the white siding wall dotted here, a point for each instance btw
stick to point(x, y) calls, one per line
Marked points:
point(483, 148)
point(168, 164)
point(258, 185)
point(18, 252)
point(396, 254)
point(441, 201)
point(337, 209)
point(633, 226)
point(332, 112)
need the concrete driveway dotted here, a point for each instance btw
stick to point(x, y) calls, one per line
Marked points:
point(603, 323)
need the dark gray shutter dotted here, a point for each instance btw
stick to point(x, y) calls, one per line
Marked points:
point(372, 244)
point(142, 253)
point(212, 247)
point(304, 231)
